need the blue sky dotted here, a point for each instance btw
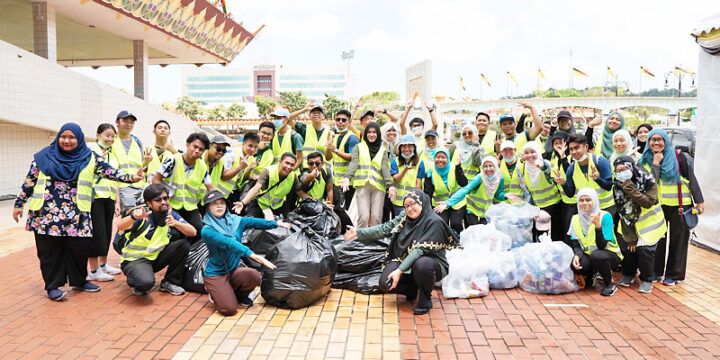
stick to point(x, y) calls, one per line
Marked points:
point(462, 38)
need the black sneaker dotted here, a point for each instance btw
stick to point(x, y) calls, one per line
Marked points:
point(172, 289)
point(87, 287)
point(608, 290)
point(245, 301)
point(56, 294)
point(422, 309)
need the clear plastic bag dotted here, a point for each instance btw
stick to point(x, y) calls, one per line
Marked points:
point(544, 267)
point(486, 235)
point(515, 220)
point(502, 273)
point(467, 276)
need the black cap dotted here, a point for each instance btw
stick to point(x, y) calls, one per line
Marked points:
point(416, 121)
point(369, 112)
point(560, 134)
point(125, 114)
point(219, 139)
point(344, 112)
point(432, 132)
point(212, 196)
point(564, 114)
point(318, 108)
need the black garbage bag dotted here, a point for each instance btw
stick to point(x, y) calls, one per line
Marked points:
point(318, 216)
point(358, 257)
point(365, 283)
point(261, 241)
point(195, 264)
point(306, 266)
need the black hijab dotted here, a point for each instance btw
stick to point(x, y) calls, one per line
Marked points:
point(628, 210)
point(639, 143)
point(428, 231)
point(375, 145)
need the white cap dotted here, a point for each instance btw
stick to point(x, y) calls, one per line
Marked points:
point(281, 112)
point(507, 144)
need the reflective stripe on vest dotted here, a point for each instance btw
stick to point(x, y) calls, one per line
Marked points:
point(511, 184)
point(129, 162)
point(313, 144)
point(340, 165)
point(668, 192)
point(369, 170)
point(470, 171)
point(102, 187)
point(317, 191)
point(545, 194)
point(478, 202)
point(651, 225)
point(286, 147)
point(265, 160)
point(187, 190)
point(407, 183)
point(587, 242)
point(555, 161)
point(275, 198)
point(225, 187)
point(143, 248)
point(584, 180)
point(83, 198)
point(444, 192)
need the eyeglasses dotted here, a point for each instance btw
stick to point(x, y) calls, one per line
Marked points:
point(341, 120)
point(220, 149)
point(409, 205)
point(656, 140)
point(466, 133)
point(314, 163)
point(161, 199)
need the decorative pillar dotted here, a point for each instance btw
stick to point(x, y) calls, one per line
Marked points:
point(44, 31)
point(140, 68)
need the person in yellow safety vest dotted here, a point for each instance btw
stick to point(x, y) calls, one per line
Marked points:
point(536, 179)
point(544, 135)
point(264, 156)
point(154, 237)
point(185, 174)
point(317, 182)
point(340, 151)
point(594, 243)
point(408, 171)
point(129, 153)
point(486, 137)
point(103, 208)
point(314, 139)
point(369, 172)
point(163, 147)
point(604, 145)
point(678, 190)
point(559, 160)
point(285, 140)
point(641, 219)
point(416, 125)
point(508, 127)
point(507, 168)
point(222, 176)
point(233, 161)
point(481, 192)
point(59, 193)
point(391, 136)
point(431, 146)
point(269, 196)
point(588, 170)
point(468, 151)
point(443, 180)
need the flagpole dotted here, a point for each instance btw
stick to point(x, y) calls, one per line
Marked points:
point(640, 81)
point(481, 87)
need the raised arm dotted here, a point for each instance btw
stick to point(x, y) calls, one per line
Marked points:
point(534, 131)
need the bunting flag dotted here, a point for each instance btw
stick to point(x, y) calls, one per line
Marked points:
point(579, 73)
point(462, 85)
point(611, 73)
point(439, 97)
point(540, 73)
point(680, 70)
point(483, 78)
point(511, 77)
point(645, 71)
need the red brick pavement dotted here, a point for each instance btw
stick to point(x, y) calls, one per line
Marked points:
point(515, 324)
point(108, 324)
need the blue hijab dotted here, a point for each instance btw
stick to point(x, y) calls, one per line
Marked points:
point(669, 171)
point(63, 165)
point(444, 171)
point(226, 225)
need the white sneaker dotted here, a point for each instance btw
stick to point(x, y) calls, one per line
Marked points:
point(99, 276)
point(108, 269)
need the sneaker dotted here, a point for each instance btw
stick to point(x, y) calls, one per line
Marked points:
point(87, 287)
point(108, 269)
point(668, 282)
point(138, 292)
point(626, 280)
point(608, 290)
point(172, 289)
point(210, 298)
point(645, 287)
point(56, 294)
point(99, 275)
point(245, 301)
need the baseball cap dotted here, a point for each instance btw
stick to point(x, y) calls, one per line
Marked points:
point(318, 107)
point(564, 114)
point(212, 196)
point(542, 223)
point(432, 132)
point(507, 144)
point(281, 112)
point(344, 112)
point(506, 116)
point(125, 114)
point(406, 140)
point(369, 112)
point(219, 139)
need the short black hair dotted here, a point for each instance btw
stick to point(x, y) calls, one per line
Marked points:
point(251, 136)
point(105, 126)
point(286, 155)
point(482, 113)
point(199, 136)
point(154, 190)
point(344, 112)
point(417, 120)
point(315, 154)
point(161, 122)
point(267, 124)
point(577, 138)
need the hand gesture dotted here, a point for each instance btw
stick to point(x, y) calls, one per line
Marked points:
point(238, 206)
point(522, 157)
point(498, 140)
point(169, 146)
point(262, 144)
point(17, 214)
point(330, 205)
point(634, 150)
point(409, 105)
point(345, 184)
point(308, 107)
point(527, 105)
point(284, 225)
point(393, 193)
point(594, 173)
point(576, 262)
point(596, 219)
point(252, 165)
point(632, 248)
point(513, 197)
point(539, 163)
point(395, 277)
point(553, 122)
point(657, 158)
point(558, 178)
point(105, 152)
point(141, 213)
point(147, 157)
point(118, 209)
point(350, 234)
point(595, 121)
point(561, 149)
point(357, 105)
point(331, 145)
point(441, 207)
point(428, 107)
point(139, 175)
point(171, 222)
point(315, 173)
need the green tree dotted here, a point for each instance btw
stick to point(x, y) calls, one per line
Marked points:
point(265, 106)
point(332, 105)
point(218, 112)
point(292, 100)
point(192, 108)
point(235, 111)
point(387, 100)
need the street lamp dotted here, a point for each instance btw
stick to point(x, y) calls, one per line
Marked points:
point(347, 55)
point(616, 84)
point(679, 76)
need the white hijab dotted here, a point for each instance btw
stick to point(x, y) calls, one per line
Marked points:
point(465, 147)
point(628, 144)
point(585, 219)
point(491, 185)
point(534, 173)
point(391, 144)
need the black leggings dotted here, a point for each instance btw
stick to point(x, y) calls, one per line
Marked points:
point(454, 218)
point(678, 248)
point(472, 219)
point(193, 218)
point(62, 259)
point(600, 260)
point(425, 273)
point(101, 213)
point(566, 213)
point(643, 258)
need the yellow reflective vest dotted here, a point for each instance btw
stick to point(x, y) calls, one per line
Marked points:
point(369, 171)
point(274, 197)
point(444, 192)
point(587, 241)
point(586, 181)
point(188, 190)
point(140, 247)
point(83, 197)
point(102, 187)
point(130, 161)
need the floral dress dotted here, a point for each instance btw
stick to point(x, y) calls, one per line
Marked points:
point(59, 215)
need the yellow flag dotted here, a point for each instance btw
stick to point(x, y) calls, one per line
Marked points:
point(462, 85)
point(612, 74)
point(511, 77)
point(644, 70)
point(482, 76)
point(541, 74)
point(679, 69)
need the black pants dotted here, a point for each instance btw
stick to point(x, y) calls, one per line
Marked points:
point(557, 223)
point(677, 249)
point(600, 260)
point(253, 209)
point(643, 258)
point(424, 274)
point(454, 218)
point(471, 219)
point(194, 218)
point(347, 197)
point(389, 210)
point(63, 259)
point(101, 213)
point(345, 220)
point(141, 272)
point(566, 213)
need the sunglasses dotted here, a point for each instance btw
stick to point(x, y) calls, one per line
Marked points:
point(314, 163)
point(161, 199)
point(466, 133)
point(341, 120)
point(220, 149)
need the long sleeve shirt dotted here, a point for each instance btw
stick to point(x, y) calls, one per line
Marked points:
point(471, 186)
point(602, 236)
point(687, 172)
point(226, 252)
point(605, 176)
point(429, 186)
point(385, 167)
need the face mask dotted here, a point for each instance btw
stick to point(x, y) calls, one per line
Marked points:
point(159, 217)
point(342, 131)
point(407, 156)
point(102, 145)
point(624, 175)
point(509, 160)
point(490, 178)
point(278, 124)
point(583, 158)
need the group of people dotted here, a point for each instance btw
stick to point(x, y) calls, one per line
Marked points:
point(610, 200)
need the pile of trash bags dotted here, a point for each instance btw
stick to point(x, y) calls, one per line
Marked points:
point(544, 267)
point(195, 264)
point(360, 265)
point(514, 220)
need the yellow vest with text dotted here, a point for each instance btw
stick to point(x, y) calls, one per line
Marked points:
point(369, 171)
point(188, 190)
point(102, 187)
point(587, 241)
point(340, 165)
point(545, 194)
point(585, 181)
point(444, 192)
point(141, 247)
point(83, 197)
point(129, 162)
point(275, 198)
point(407, 183)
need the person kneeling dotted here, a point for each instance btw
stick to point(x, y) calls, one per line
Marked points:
point(226, 278)
point(415, 259)
point(153, 240)
point(596, 249)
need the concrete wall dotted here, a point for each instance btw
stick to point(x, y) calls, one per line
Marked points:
point(37, 97)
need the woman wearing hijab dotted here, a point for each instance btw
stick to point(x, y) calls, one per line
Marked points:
point(622, 146)
point(369, 171)
point(560, 162)
point(594, 244)
point(226, 278)
point(481, 192)
point(415, 259)
point(604, 145)
point(641, 137)
point(58, 188)
point(536, 179)
point(407, 171)
point(444, 180)
point(468, 151)
point(676, 179)
point(390, 134)
point(641, 219)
